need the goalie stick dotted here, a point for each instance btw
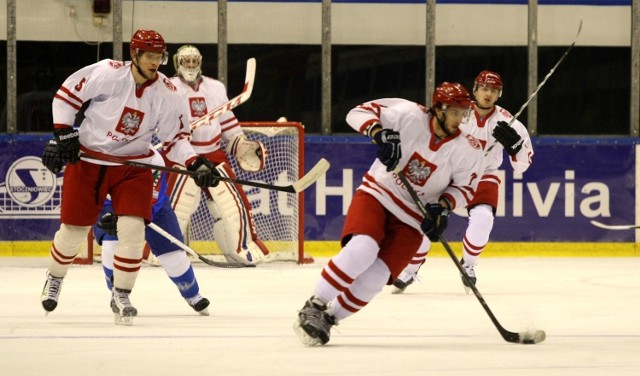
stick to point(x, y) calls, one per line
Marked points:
point(190, 251)
point(298, 186)
point(234, 102)
point(614, 227)
point(530, 337)
point(541, 84)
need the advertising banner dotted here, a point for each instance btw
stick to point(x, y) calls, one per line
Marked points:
point(571, 182)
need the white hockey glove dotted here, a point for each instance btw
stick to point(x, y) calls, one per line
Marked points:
point(250, 155)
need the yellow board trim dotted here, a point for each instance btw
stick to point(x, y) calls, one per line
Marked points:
point(331, 248)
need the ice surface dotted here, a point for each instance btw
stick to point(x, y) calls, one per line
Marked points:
point(588, 307)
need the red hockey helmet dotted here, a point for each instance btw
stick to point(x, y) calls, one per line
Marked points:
point(148, 40)
point(451, 94)
point(488, 79)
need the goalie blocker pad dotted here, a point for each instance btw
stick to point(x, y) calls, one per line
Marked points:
point(234, 229)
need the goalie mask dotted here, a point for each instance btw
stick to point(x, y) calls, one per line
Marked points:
point(188, 63)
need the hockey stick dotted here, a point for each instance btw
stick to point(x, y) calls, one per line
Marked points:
point(300, 185)
point(234, 102)
point(541, 84)
point(530, 337)
point(190, 251)
point(614, 227)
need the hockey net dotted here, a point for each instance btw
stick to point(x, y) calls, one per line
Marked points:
point(279, 216)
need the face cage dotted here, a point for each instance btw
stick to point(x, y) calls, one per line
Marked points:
point(189, 74)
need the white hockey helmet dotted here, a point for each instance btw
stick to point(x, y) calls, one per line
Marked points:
point(188, 62)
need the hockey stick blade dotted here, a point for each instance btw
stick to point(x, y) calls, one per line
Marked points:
point(541, 84)
point(192, 252)
point(527, 338)
point(233, 102)
point(296, 187)
point(312, 176)
point(614, 227)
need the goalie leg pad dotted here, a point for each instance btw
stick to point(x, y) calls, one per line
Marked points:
point(234, 228)
point(185, 198)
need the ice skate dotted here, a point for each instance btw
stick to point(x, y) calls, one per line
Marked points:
point(125, 311)
point(470, 273)
point(313, 325)
point(113, 305)
point(50, 292)
point(199, 304)
point(402, 282)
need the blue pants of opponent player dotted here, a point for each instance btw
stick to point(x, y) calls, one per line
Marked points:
point(173, 259)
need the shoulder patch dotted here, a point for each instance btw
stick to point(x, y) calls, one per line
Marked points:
point(505, 113)
point(116, 64)
point(474, 142)
point(169, 84)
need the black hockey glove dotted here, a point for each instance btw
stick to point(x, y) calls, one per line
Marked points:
point(434, 227)
point(206, 174)
point(389, 152)
point(108, 223)
point(508, 137)
point(51, 157)
point(68, 140)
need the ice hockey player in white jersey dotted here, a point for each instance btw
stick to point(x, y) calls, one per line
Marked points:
point(234, 228)
point(384, 227)
point(125, 104)
point(489, 123)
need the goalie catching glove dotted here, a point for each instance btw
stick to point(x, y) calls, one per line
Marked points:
point(250, 155)
point(206, 174)
point(437, 222)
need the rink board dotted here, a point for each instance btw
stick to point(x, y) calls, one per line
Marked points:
point(571, 182)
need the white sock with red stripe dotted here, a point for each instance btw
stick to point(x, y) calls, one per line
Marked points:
point(477, 235)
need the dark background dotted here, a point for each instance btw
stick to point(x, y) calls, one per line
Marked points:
point(587, 95)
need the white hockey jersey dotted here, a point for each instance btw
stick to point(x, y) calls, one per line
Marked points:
point(482, 129)
point(436, 168)
point(207, 95)
point(122, 118)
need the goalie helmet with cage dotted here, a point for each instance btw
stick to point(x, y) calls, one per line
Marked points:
point(148, 40)
point(188, 63)
point(488, 79)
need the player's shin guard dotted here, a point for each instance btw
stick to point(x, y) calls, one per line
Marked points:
point(477, 234)
point(65, 247)
point(128, 255)
point(108, 252)
point(362, 291)
point(178, 267)
point(234, 230)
